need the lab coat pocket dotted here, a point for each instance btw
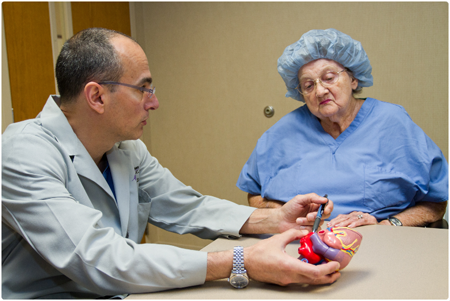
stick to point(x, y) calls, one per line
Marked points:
point(143, 211)
point(386, 188)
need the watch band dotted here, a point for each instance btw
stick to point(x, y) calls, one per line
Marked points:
point(238, 277)
point(238, 260)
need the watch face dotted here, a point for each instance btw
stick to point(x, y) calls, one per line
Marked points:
point(395, 221)
point(239, 281)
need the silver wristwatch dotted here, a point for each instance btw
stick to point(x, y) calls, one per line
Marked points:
point(395, 221)
point(238, 277)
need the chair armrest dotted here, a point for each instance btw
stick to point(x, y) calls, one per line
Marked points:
point(442, 224)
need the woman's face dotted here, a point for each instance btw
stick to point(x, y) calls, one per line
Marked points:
point(333, 102)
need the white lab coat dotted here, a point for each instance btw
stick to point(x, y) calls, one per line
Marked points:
point(64, 235)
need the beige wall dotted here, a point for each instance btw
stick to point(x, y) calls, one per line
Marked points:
point(214, 66)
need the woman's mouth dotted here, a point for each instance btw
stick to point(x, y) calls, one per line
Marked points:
point(323, 102)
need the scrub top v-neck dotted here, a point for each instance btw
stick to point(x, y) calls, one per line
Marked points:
point(335, 143)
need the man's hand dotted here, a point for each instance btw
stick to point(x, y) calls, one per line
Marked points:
point(299, 213)
point(267, 261)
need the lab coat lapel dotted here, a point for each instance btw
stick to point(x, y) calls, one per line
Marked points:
point(86, 167)
point(121, 169)
point(53, 119)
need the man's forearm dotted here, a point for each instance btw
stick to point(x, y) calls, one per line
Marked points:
point(219, 265)
point(261, 221)
point(298, 213)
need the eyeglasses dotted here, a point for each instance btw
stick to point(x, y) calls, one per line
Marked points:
point(150, 91)
point(327, 79)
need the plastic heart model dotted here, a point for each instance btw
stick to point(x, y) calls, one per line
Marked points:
point(333, 244)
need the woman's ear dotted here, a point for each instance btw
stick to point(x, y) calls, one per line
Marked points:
point(94, 94)
point(354, 83)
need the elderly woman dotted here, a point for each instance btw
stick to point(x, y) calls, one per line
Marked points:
point(370, 158)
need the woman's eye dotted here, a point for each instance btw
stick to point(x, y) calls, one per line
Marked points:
point(307, 85)
point(329, 77)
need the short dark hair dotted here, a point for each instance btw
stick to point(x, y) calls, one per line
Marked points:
point(87, 56)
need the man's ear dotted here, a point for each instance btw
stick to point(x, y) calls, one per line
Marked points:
point(94, 94)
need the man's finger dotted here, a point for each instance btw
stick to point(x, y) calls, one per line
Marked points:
point(315, 272)
point(291, 235)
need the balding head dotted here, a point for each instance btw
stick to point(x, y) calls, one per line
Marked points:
point(87, 56)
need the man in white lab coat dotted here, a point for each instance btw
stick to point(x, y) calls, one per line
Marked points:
point(79, 189)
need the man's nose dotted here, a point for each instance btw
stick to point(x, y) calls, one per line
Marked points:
point(152, 103)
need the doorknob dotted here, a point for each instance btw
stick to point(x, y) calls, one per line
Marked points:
point(269, 111)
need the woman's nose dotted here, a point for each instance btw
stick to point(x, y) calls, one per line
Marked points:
point(320, 89)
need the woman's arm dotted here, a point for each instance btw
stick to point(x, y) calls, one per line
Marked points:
point(260, 202)
point(419, 215)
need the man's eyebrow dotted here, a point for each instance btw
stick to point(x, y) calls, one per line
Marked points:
point(146, 80)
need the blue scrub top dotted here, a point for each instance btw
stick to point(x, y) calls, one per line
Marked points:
point(381, 164)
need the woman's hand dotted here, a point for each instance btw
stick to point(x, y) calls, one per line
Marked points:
point(353, 220)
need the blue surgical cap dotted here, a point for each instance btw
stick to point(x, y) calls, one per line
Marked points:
point(324, 44)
